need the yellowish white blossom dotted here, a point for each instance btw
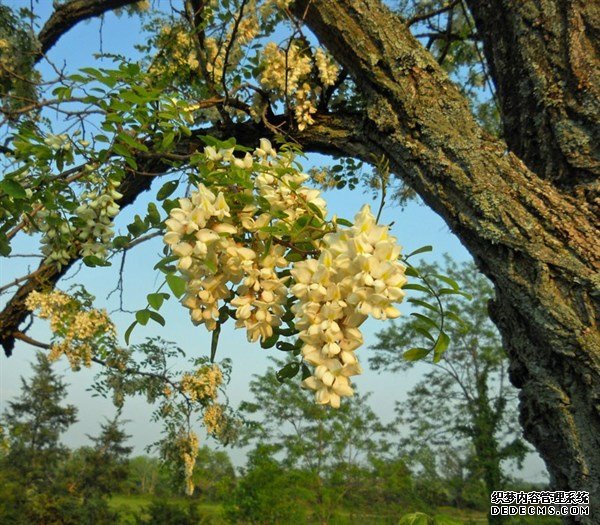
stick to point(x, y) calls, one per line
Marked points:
point(203, 385)
point(78, 329)
point(226, 256)
point(357, 274)
point(188, 446)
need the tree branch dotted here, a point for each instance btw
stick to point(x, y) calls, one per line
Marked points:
point(69, 14)
point(331, 134)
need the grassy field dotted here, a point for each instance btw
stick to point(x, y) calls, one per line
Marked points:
point(130, 506)
point(214, 514)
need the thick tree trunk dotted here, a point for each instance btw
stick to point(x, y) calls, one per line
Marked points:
point(527, 215)
point(537, 243)
point(544, 59)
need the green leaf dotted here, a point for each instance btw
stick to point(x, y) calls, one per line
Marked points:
point(269, 342)
point(423, 304)
point(345, 222)
point(412, 272)
point(426, 320)
point(142, 316)
point(165, 261)
point(131, 162)
point(285, 347)
point(121, 150)
point(121, 241)
point(288, 371)
point(214, 343)
point(424, 332)
point(415, 354)
point(155, 300)
point(211, 265)
point(167, 189)
point(418, 287)
point(422, 249)
point(306, 373)
point(169, 204)
point(176, 284)
point(126, 138)
point(156, 317)
point(447, 280)
point(13, 189)
point(455, 317)
point(129, 330)
point(167, 139)
point(153, 214)
point(92, 261)
point(294, 256)
point(440, 346)
point(316, 210)
point(5, 247)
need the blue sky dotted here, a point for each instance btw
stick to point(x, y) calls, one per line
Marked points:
point(415, 226)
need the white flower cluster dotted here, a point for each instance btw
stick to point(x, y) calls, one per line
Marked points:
point(327, 68)
point(357, 274)
point(219, 250)
point(283, 70)
point(58, 142)
point(96, 214)
point(286, 72)
point(56, 241)
point(90, 232)
point(232, 250)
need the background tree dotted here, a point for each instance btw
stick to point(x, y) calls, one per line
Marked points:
point(269, 492)
point(214, 475)
point(326, 449)
point(464, 404)
point(34, 423)
point(100, 471)
point(148, 476)
point(525, 208)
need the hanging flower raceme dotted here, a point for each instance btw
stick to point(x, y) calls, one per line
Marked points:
point(356, 275)
point(230, 256)
point(255, 238)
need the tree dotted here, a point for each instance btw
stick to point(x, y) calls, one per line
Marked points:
point(99, 471)
point(523, 205)
point(268, 492)
point(464, 403)
point(327, 450)
point(214, 475)
point(34, 423)
point(149, 477)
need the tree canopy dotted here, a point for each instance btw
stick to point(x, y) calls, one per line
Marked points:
point(488, 112)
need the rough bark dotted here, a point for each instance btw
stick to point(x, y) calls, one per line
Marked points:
point(538, 244)
point(518, 212)
point(544, 59)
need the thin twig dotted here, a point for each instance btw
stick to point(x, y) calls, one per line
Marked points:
point(431, 14)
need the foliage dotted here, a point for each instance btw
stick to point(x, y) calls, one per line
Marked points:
point(271, 493)
point(100, 471)
point(148, 476)
point(246, 241)
point(214, 475)
point(41, 483)
point(463, 409)
point(330, 448)
point(18, 79)
point(162, 511)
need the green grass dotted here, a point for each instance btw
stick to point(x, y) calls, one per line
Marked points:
point(130, 506)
